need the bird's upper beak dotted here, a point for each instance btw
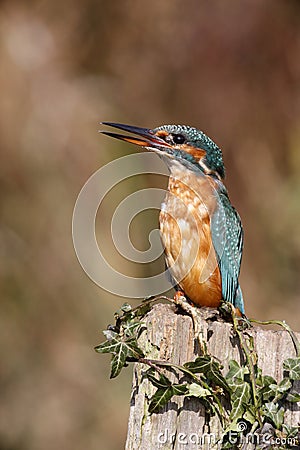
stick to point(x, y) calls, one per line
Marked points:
point(146, 137)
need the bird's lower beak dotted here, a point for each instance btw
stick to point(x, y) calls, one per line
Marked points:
point(147, 137)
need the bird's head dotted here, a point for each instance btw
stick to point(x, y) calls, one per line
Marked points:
point(185, 144)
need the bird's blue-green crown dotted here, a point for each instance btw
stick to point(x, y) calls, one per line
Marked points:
point(199, 140)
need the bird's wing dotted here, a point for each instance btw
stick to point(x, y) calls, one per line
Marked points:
point(227, 238)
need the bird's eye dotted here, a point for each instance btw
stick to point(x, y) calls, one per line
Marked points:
point(178, 139)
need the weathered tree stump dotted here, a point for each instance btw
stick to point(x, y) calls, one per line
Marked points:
point(182, 424)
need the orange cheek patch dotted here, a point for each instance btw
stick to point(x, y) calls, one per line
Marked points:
point(197, 153)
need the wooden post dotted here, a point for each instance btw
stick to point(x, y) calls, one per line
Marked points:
point(183, 420)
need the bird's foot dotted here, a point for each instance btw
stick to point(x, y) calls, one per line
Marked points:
point(194, 312)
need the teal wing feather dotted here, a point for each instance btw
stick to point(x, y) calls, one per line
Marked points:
point(227, 238)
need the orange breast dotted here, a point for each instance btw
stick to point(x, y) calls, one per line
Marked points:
point(185, 229)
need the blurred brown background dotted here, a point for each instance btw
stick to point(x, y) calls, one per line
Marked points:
point(231, 69)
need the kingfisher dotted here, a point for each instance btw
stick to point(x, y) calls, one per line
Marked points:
point(201, 231)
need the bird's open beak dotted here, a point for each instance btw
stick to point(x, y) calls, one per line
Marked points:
point(147, 137)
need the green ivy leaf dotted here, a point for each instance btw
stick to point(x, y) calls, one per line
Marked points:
point(250, 414)
point(133, 350)
point(201, 364)
point(126, 307)
point(121, 350)
point(269, 392)
point(274, 413)
point(109, 346)
point(292, 365)
point(127, 349)
point(195, 390)
point(110, 334)
point(284, 386)
point(163, 395)
point(267, 380)
point(238, 410)
point(180, 389)
point(233, 426)
point(162, 383)
point(236, 372)
point(160, 399)
point(240, 398)
point(268, 389)
point(217, 378)
point(117, 363)
point(131, 329)
point(241, 391)
point(291, 432)
point(211, 369)
point(293, 397)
